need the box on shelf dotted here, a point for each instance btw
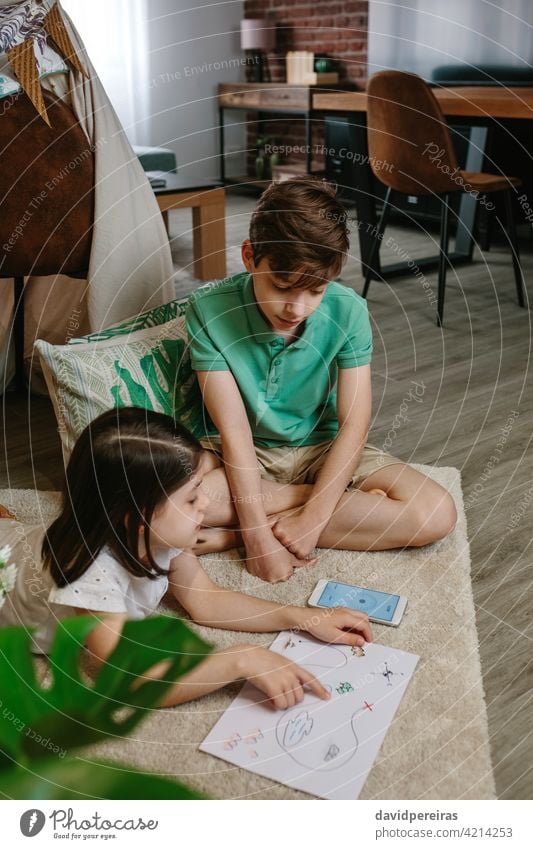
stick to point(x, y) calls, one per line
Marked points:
point(299, 63)
point(300, 68)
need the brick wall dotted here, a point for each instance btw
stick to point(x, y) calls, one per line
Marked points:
point(327, 27)
point(338, 29)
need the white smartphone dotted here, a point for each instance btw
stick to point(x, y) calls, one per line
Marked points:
point(385, 608)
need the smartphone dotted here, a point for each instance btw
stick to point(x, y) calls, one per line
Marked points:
point(381, 607)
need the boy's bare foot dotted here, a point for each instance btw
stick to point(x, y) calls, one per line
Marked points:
point(5, 513)
point(211, 540)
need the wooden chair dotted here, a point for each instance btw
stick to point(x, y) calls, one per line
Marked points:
point(46, 195)
point(408, 132)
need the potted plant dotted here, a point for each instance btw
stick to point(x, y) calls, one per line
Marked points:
point(265, 162)
point(42, 725)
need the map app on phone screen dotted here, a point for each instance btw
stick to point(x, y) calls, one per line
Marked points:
point(374, 603)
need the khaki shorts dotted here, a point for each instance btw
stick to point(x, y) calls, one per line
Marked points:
point(302, 464)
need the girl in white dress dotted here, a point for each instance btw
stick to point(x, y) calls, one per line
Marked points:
point(133, 506)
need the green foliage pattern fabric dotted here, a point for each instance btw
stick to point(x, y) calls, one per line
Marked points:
point(150, 318)
point(145, 367)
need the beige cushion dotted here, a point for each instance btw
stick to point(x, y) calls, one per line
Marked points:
point(147, 368)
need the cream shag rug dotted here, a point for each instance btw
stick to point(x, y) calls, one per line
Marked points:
point(438, 745)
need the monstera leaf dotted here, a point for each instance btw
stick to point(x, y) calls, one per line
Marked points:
point(41, 722)
point(78, 779)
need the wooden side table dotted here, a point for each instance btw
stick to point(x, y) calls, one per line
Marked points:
point(207, 200)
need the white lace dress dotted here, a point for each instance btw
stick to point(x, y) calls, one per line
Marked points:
point(106, 586)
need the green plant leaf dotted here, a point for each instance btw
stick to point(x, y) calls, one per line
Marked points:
point(75, 779)
point(72, 713)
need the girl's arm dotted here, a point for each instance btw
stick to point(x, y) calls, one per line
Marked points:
point(103, 639)
point(279, 679)
point(211, 605)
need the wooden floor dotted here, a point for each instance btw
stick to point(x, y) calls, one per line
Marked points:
point(467, 396)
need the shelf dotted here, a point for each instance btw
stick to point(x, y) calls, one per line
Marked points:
point(247, 181)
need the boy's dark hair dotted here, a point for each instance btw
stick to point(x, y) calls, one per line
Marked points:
point(299, 225)
point(123, 466)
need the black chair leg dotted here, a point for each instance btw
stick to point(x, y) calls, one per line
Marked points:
point(380, 229)
point(18, 331)
point(513, 241)
point(443, 255)
point(486, 230)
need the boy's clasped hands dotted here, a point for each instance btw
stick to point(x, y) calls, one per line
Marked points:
point(274, 552)
point(299, 533)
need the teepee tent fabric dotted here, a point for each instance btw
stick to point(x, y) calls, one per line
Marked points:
point(130, 266)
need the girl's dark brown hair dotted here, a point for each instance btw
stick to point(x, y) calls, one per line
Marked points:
point(123, 466)
point(299, 225)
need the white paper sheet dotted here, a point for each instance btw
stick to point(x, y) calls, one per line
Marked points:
point(325, 748)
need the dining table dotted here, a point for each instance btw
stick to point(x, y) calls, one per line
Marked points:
point(478, 107)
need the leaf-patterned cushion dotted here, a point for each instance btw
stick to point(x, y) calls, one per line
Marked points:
point(148, 367)
point(150, 318)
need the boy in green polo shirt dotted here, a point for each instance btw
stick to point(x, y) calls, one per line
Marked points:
point(282, 356)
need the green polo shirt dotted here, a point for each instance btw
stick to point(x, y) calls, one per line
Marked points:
point(288, 390)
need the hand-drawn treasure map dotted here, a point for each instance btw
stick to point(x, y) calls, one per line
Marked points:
point(325, 748)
